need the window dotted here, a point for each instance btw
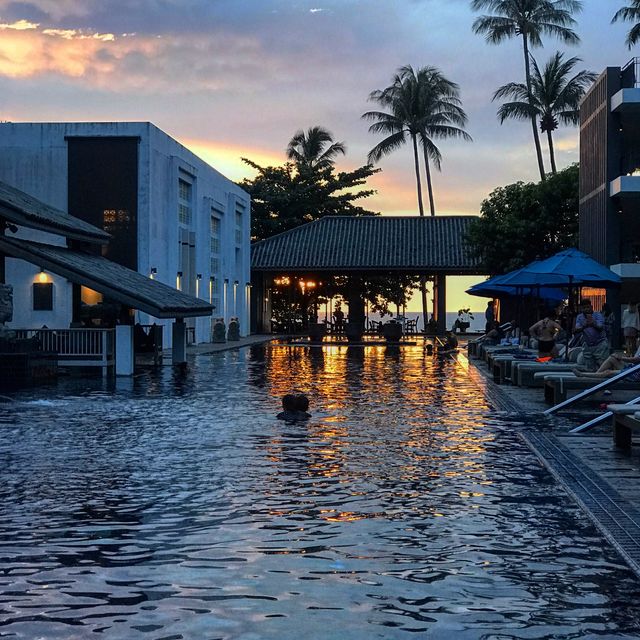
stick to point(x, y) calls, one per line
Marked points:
point(43, 296)
point(215, 235)
point(215, 293)
point(185, 194)
point(240, 209)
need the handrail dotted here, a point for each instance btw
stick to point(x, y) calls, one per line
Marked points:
point(591, 390)
point(601, 418)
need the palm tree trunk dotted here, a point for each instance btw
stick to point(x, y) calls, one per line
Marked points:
point(534, 124)
point(427, 170)
point(552, 155)
point(416, 161)
point(423, 279)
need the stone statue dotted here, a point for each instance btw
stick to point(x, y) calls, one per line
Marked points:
point(6, 303)
point(219, 331)
point(233, 332)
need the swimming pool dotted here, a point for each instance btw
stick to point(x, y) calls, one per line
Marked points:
point(176, 506)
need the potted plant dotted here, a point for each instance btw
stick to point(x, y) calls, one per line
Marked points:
point(354, 331)
point(392, 331)
point(317, 331)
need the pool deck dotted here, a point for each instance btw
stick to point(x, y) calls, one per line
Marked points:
point(603, 479)
point(213, 347)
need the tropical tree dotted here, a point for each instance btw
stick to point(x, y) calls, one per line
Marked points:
point(555, 97)
point(630, 14)
point(529, 20)
point(314, 149)
point(524, 221)
point(422, 105)
point(283, 197)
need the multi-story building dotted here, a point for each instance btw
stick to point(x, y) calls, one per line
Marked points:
point(610, 176)
point(171, 216)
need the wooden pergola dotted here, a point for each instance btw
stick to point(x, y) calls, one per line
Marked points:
point(363, 246)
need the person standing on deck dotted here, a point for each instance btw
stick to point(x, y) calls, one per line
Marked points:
point(489, 316)
point(591, 325)
point(630, 327)
point(545, 332)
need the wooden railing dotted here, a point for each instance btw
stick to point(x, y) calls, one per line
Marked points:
point(76, 347)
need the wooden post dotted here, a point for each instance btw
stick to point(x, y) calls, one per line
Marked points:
point(440, 289)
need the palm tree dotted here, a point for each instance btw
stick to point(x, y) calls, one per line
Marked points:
point(529, 20)
point(555, 97)
point(310, 150)
point(422, 105)
point(630, 14)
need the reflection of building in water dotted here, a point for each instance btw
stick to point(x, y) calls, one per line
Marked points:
point(172, 217)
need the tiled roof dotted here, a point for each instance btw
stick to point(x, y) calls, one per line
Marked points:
point(109, 278)
point(372, 243)
point(20, 208)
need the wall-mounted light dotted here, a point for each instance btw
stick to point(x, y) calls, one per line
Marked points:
point(211, 281)
point(152, 272)
point(198, 278)
point(43, 277)
point(235, 297)
point(179, 281)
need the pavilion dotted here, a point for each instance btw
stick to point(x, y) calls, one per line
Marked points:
point(71, 249)
point(361, 247)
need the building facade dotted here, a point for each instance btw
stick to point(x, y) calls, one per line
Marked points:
point(610, 176)
point(172, 217)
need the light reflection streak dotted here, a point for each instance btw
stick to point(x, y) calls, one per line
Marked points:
point(390, 402)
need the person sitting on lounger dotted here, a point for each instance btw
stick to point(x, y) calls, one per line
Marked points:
point(612, 366)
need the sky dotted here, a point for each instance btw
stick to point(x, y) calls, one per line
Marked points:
point(237, 78)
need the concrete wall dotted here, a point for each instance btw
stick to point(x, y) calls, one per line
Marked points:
point(33, 158)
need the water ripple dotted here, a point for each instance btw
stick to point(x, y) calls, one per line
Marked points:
point(175, 506)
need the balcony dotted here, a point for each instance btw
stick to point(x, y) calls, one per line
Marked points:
point(628, 98)
point(625, 186)
point(626, 270)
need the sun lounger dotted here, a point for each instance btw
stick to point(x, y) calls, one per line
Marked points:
point(625, 420)
point(558, 386)
point(532, 374)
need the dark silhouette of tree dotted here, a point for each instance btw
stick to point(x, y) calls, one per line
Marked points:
point(524, 221)
point(422, 105)
point(283, 197)
point(555, 97)
point(529, 20)
point(314, 149)
point(630, 14)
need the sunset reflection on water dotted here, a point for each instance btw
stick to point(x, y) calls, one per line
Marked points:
point(175, 504)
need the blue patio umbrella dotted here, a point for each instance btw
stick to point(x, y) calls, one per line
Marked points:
point(568, 268)
point(494, 288)
point(502, 286)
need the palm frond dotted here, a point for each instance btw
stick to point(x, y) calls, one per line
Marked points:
point(387, 146)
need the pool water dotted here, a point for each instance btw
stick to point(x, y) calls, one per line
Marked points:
point(174, 505)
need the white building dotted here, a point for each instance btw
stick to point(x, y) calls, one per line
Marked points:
point(172, 216)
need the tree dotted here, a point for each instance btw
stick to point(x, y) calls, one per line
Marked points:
point(309, 150)
point(422, 105)
point(555, 97)
point(283, 197)
point(525, 221)
point(630, 14)
point(529, 20)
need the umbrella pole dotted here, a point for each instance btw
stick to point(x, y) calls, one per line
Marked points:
point(570, 317)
